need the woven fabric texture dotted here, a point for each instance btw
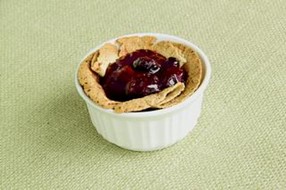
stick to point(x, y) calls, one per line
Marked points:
point(48, 142)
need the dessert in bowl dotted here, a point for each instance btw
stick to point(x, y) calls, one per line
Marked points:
point(144, 91)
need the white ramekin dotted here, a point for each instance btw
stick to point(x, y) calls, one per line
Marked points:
point(150, 130)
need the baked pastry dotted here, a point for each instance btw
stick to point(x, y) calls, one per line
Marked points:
point(140, 73)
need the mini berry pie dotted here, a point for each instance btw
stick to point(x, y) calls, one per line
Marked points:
point(140, 74)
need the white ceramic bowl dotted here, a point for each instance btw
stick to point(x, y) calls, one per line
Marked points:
point(150, 130)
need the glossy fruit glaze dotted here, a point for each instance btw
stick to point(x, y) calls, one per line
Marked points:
point(141, 73)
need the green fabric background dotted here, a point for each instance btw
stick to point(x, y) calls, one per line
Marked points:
point(48, 142)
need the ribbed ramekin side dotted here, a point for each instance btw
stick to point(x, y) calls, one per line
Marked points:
point(149, 133)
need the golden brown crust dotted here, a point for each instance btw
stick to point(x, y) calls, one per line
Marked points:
point(99, 61)
point(133, 43)
point(150, 101)
point(107, 54)
point(167, 49)
point(90, 83)
point(193, 68)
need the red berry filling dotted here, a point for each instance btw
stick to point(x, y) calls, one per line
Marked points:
point(141, 73)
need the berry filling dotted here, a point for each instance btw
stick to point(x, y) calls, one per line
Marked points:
point(141, 73)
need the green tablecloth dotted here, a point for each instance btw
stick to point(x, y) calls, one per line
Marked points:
point(48, 142)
